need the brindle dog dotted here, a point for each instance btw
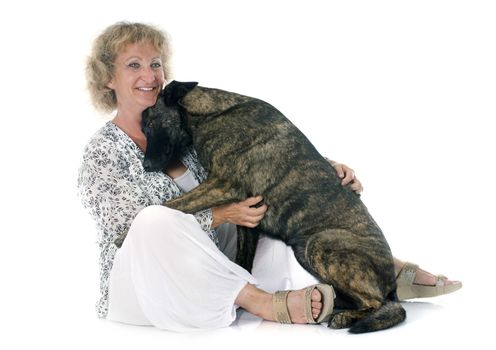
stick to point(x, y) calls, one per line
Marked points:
point(249, 148)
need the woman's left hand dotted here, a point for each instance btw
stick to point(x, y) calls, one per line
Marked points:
point(347, 175)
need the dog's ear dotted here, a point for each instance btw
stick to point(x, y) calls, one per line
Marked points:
point(176, 90)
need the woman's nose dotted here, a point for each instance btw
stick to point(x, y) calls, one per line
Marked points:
point(150, 75)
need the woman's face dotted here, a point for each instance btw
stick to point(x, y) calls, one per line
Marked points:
point(138, 77)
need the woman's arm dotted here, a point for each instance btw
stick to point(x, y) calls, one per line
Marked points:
point(111, 198)
point(244, 213)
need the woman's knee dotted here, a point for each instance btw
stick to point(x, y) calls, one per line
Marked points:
point(154, 213)
point(153, 220)
point(158, 220)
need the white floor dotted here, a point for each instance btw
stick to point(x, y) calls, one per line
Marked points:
point(443, 323)
point(36, 314)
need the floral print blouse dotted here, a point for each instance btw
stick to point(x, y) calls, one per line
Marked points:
point(114, 187)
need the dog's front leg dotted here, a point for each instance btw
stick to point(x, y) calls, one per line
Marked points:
point(209, 194)
point(247, 245)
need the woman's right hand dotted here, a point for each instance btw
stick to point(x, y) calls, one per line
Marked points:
point(242, 213)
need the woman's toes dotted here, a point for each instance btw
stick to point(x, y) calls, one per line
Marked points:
point(316, 303)
point(296, 305)
point(316, 296)
point(316, 309)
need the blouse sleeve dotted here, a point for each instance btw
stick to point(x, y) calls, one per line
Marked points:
point(112, 199)
point(205, 219)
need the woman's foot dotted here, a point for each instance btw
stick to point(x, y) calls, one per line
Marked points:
point(263, 304)
point(413, 282)
point(422, 277)
point(296, 305)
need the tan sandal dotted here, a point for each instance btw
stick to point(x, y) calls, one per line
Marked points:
point(279, 302)
point(407, 289)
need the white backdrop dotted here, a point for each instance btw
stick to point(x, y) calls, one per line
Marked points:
point(402, 91)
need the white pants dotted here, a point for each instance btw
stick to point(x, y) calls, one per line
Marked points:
point(169, 274)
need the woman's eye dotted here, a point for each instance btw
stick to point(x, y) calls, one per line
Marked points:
point(134, 65)
point(156, 65)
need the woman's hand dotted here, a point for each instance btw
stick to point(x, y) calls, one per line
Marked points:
point(242, 213)
point(347, 175)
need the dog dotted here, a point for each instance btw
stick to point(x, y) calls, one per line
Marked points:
point(250, 148)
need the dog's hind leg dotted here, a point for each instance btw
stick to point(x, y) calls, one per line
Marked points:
point(357, 267)
point(209, 194)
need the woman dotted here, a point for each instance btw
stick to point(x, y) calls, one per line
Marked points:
point(172, 270)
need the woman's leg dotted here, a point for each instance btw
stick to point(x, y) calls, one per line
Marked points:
point(276, 268)
point(169, 274)
point(179, 279)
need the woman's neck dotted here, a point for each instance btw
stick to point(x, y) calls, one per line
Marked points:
point(131, 125)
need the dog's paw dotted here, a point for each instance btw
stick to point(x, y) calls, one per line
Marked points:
point(341, 320)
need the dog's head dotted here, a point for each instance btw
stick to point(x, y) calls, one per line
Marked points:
point(164, 126)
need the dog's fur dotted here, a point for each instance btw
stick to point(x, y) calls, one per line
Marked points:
point(249, 148)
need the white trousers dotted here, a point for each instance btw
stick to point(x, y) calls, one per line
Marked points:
point(169, 274)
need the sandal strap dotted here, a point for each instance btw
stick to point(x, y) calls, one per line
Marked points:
point(440, 280)
point(407, 274)
point(279, 303)
point(328, 295)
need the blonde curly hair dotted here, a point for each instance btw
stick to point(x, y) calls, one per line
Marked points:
point(106, 47)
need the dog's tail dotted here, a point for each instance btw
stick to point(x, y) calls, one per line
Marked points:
point(388, 315)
